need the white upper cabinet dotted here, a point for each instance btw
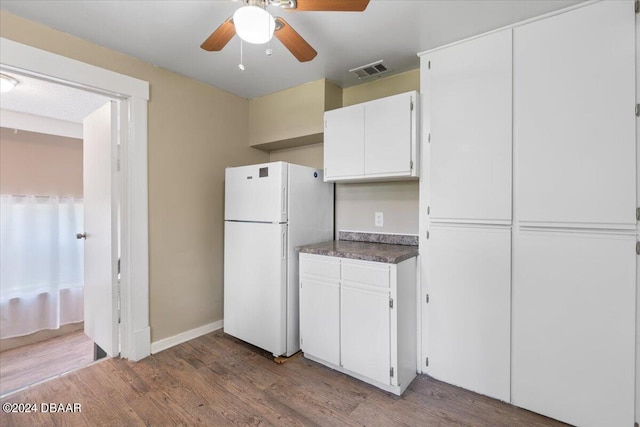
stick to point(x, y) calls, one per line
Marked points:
point(574, 118)
point(468, 95)
point(344, 143)
point(389, 127)
point(375, 140)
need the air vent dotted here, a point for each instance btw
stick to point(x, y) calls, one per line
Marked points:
point(370, 70)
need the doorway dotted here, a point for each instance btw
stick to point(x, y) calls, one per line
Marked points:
point(132, 95)
point(45, 303)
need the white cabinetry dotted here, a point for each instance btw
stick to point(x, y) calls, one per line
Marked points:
point(574, 242)
point(344, 142)
point(574, 118)
point(574, 326)
point(359, 317)
point(468, 315)
point(466, 259)
point(320, 307)
point(469, 96)
point(566, 226)
point(374, 140)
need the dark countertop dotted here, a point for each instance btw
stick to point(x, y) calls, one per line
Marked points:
point(365, 251)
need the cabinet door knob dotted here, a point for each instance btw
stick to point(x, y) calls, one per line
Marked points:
point(81, 236)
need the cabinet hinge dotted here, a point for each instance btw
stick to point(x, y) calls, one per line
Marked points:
point(391, 372)
point(637, 106)
point(411, 105)
point(429, 62)
point(301, 340)
point(411, 164)
point(427, 234)
point(638, 248)
point(428, 210)
point(637, 6)
point(325, 124)
point(427, 298)
point(637, 214)
point(426, 361)
point(429, 138)
point(390, 302)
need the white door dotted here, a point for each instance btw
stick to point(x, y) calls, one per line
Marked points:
point(365, 345)
point(100, 136)
point(468, 320)
point(255, 284)
point(344, 142)
point(470, 126)
point(320, 318)
point(574, 118)
point(388, 134)
point(573, 326)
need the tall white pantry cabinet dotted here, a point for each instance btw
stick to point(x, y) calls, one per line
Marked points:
point(528, 214)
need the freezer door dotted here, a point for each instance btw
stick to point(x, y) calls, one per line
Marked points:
point(255, 280)
point(256, 193)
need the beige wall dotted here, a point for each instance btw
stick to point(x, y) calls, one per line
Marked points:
point(309, 155)
point(37, 164)
point(195, 131)
point(356, 204)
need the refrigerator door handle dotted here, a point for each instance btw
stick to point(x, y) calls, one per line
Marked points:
point(284, 200)
point(284, 244)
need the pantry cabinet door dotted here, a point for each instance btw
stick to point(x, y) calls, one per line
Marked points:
point(468, 281)
point(470, 127)
point(574, 118)
point(574, 299)
point(344, 142)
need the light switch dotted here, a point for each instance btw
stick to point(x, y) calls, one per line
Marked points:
point(379, 219)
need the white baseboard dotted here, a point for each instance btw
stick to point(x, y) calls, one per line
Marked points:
point(169, 342)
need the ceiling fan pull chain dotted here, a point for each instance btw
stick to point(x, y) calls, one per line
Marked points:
point(241, 65)
point(269, 51)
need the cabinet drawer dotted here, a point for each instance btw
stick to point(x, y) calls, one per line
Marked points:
point(376, 274)
point(319, 265)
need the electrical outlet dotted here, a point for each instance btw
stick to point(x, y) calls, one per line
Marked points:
point(379, 219)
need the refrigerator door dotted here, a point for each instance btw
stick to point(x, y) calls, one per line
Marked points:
point(255, 279)
point(256, 193)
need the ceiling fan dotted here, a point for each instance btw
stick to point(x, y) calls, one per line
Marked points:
point(254, 24)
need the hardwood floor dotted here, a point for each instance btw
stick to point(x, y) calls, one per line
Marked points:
point(218, 380)
point(32, 363)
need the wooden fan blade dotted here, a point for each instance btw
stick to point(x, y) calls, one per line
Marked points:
point(332, 5)
point(220, 37)
point(294, 42)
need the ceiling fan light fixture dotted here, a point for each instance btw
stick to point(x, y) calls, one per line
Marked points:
point(254, 24)
point(7, 83)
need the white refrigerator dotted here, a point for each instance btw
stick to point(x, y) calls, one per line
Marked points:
point(270, 209)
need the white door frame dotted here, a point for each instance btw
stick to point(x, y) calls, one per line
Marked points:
point(135, 333)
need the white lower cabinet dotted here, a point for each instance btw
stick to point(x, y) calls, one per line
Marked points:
point(360, 318)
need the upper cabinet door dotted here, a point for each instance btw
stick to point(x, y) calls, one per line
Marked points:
point(389, 130)
point(344, 142)
point(574, 121)
point(469, 98)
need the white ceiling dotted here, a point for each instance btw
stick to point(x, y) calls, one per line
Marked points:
point(48, 99)
point(169, 33)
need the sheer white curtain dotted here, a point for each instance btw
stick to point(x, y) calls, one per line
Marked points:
point(41, 263)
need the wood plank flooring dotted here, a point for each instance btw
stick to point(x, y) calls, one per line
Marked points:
point(217, 380)
point(30, 364)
